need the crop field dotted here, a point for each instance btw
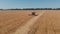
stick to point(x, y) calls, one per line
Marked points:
point(49, 23)
point(20, 22)
point(10, 20)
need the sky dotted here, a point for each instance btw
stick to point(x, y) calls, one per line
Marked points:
point(8, 4)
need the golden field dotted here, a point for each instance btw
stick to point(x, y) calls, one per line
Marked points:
point(48, 23)
point(10, 20)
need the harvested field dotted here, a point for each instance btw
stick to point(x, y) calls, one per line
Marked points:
point(19, 22)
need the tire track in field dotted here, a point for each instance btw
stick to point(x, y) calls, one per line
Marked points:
point(26, 28)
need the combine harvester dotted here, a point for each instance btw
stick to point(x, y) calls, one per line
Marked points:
point(33, 14)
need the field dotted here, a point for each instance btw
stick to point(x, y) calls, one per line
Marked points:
point(17, 21)
point(10, 20)
point(49, 23)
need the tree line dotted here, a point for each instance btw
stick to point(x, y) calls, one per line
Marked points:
point(34, 9)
